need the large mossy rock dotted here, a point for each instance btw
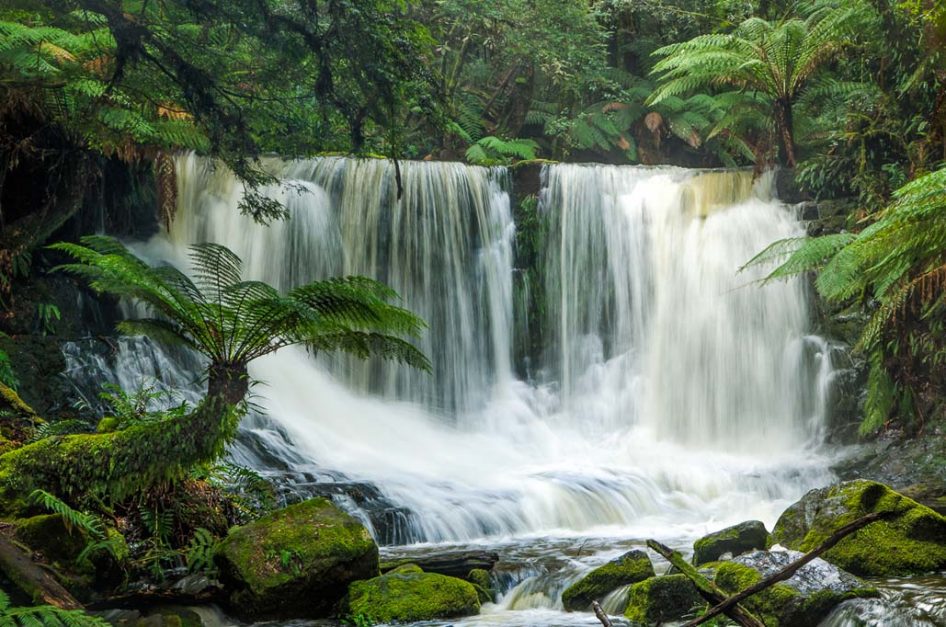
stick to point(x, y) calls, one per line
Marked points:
point(407, 594)
point(632, 567)
point(296, 562)
point(659, 600)
point(800, 601)
point(49, 534)
point(736, 540)
point(912, 541)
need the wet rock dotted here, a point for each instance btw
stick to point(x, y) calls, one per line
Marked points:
point(661, 599)
point(913, 541)
point(296, 562)
point(803, 600)
point(450, 563)
point(408, 594)
point(632, 567)
point(736, 540)
point(483, 582)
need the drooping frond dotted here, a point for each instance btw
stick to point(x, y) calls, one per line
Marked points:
point(233, 321)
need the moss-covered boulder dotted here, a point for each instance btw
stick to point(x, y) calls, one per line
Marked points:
point(912, 541)
point(632, 567)
point(738, 539)
point(483, 582)
point(802, 600)
point(50, 535)
point(407, 594)
point(296, 562)
point(662, 599)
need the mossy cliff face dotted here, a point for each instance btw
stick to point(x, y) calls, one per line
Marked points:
point(407, 594)
point(661, 599)
point(737, 540)
point(801, 601)
point(631, 567)
point(912, 541)
point(296, 562)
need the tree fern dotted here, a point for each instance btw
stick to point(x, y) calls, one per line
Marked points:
point(73, 519)
point(899, 261)
point(44, 616)
point(775, 59)
point(233, 321)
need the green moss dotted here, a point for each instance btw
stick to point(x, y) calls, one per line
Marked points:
point(781, 605)
point(107, 424)
point(49, 535)
point(411, 596)
point(631, 567)
point(408, 568)
point(297, 561)
point(913, 541)
point(737, 540)
point(117, 464)
point(483, 582)
point(661, 599)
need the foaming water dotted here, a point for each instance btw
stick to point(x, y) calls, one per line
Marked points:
point(675, 396)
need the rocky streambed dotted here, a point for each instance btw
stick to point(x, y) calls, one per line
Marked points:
point(310, 563)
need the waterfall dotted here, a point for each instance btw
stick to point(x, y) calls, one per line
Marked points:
point(646, 302)
point(676, 394)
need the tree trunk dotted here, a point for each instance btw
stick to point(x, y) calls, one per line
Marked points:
point(786, 131)
point(116, 465)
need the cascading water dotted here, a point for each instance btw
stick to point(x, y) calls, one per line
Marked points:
point(677, 395)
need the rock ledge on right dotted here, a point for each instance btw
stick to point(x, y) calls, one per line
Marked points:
point(912, 541)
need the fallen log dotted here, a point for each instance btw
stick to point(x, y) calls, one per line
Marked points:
point(707, 589)
point(450, 563)
point(602, 617)
point(786, 573)
point(43, 589)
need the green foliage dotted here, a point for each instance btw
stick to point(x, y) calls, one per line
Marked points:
point(138, 407)
point(897, 266)
point(494, 150)
point(44, 616)
point(200, 553)
point(7, 375)
point(99, 539)
point(232, 321)
point(47, 314)
point(778, 60)
point(248, 492)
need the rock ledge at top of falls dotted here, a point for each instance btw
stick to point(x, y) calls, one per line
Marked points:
point(296, 562)
point(800, 601)
point(735, 540)
point(912, 541)
point(407, 594)
point(632, 567)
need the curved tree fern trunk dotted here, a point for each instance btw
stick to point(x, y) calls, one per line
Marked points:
point(786, 131)
point(116, 465)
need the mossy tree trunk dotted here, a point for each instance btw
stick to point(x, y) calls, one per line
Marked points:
point(116, 465)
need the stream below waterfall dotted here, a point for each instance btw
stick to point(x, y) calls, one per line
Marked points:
point(672, 396)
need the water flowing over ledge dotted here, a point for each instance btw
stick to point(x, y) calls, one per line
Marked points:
point(674, 395)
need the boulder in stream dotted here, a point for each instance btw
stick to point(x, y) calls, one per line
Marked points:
point(407, 594)
point(801, 601)
point(296, 562)
point(659, 600)
point(912, 541)
point(736, 540)
point(632, 567)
